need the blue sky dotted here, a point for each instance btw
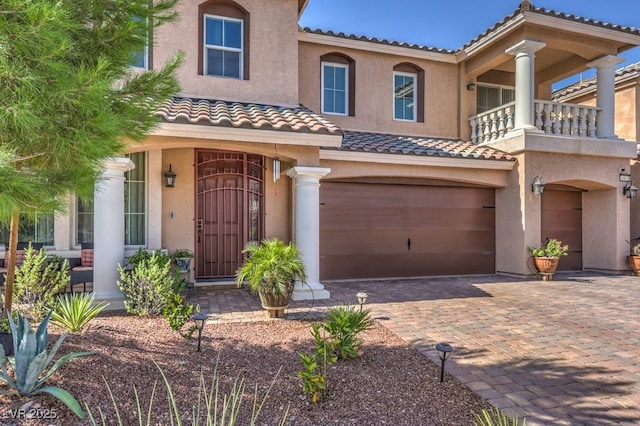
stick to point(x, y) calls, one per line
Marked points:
point(450, 24)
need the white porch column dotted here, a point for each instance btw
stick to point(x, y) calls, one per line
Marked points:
point(524, 52)
point(307, 228)
point(108, 234)
point(606, 94)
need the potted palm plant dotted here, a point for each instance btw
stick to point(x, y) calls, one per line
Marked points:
point(271, 269)
point(547, 256)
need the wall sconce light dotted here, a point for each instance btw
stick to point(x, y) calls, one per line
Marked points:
point(276, 169)
point(170, 178)
point(630, 190)
point(362, 298)
point(537, 186)
point(444, 352)
point(199, 319)
point(471, 85)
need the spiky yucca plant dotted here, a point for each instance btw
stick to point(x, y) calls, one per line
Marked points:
point(496, 417)
point(272, 267)
point(74, 311)
point(30, 361)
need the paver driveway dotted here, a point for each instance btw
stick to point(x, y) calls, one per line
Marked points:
point(558, 352)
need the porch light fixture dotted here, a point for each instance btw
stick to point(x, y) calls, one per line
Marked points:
point(199, 319)
point(444, 352)
point(537, 187)
point(362, 299)
point(630, 190)
point(170, 178)
point(276, 169)
point(471, 85)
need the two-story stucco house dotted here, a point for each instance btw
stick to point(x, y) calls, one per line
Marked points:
point(379, 159)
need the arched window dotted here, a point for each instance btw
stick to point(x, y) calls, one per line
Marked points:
point(224, 39)
point(408, 92)
point(338, 84)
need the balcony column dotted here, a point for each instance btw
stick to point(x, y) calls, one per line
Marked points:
point(524, 52)
point(606, 95)
point(108, 234)
point(307, 229)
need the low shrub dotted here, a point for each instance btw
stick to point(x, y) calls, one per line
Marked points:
point(344, 324)
point(37, 282)
point(495, 417)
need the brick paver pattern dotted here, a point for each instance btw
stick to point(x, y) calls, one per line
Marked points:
point(561, 352)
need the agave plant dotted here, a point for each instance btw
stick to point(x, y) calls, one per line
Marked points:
point(496, 417)
point(73, 312)
point(30, 361)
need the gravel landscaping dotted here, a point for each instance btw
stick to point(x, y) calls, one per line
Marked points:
point(390, 384)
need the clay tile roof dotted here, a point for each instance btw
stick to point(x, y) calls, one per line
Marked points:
point(622, 73)
point(548, 12)
point(414, 145)
point(377, 40)
point(245, 115)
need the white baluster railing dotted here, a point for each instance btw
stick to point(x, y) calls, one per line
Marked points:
point(553, 118)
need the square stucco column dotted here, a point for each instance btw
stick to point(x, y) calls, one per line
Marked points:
point(108, 235)
point(307, 228)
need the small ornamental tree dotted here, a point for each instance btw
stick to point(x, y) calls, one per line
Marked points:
point(68, 96)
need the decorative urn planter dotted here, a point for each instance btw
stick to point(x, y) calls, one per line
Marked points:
point(634, 264)
point(275, 304)
point(546, 264)
point(183, 258)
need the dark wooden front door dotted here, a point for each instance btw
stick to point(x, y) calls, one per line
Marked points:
point(562, 220)
point(229, 206)
point(371, 230)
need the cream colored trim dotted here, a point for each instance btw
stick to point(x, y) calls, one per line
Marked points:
point(375, 47)
point(582, 29)
point(490, 39)
point(415, 160)
point(246, 135)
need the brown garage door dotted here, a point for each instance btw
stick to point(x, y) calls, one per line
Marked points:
point(562, 220)
point(382, 230)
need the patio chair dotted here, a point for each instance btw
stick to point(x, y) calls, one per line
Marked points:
point(82, 269)
point(20, 252)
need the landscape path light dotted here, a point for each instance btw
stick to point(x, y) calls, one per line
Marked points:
point(444, 352)
point(199, 319)
point(362, 298)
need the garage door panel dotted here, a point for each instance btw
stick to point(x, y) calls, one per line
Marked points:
point(366, 228)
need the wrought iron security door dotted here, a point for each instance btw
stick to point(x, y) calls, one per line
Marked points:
point(229, 209)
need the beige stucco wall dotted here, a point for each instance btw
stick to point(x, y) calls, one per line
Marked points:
point(605, 211)
point(273, 48)
point(374, 92)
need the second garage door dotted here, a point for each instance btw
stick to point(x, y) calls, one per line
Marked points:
point(383, 230)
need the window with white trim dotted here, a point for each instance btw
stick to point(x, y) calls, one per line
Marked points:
point(38, 229)
point(492, 96)
point(223, 46)
point(335, 88)
point(404, 96)
point(141, 58)
point(84, 221)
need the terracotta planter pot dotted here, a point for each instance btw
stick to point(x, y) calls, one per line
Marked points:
point(546, 265)
point(275, 305)
point(634, 264)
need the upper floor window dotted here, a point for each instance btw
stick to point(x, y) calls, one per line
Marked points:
point(223, 46)
point(408, 92)
point(335, 88)
point(490, 97)
point(141, 58)
point(404, 96)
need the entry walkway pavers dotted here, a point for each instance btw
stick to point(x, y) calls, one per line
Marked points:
point(561, 352)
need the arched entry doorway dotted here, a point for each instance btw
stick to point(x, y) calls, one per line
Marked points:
point(229, 209)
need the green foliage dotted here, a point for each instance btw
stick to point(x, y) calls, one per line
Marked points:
point(150, 285)
point(177, 312)
point(314, 383)
point(271, 267)
point(210, 408)
point(183, 254)
point(37, 283)
point(74, 311)
point(30, 361)
point(634, 250)
point(344, 324)
point(551, 248)
point(495, 417)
